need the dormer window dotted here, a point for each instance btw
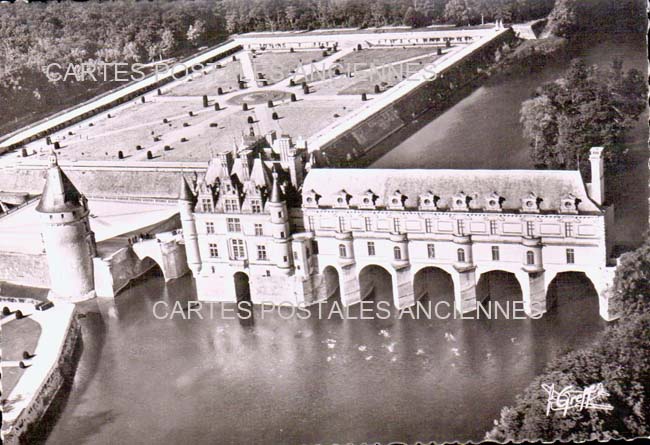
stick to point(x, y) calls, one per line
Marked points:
point(311, 199)
point(342, 200)
point(493, 202)
point(367, 200)
point(569, 204)
point(530, 203)
point(396, 201)
point(460, 202)
point(427, 201)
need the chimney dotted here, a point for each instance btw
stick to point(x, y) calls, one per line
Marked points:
point(597, 186)
point(284, 147)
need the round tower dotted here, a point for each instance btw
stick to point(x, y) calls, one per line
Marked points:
point(69, 242)
point(277, 206)
point(187, 201)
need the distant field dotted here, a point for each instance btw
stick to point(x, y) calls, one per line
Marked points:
point(276, 66)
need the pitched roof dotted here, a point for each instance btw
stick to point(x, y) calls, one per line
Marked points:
point(186, 192)
point(59, 194)
point(512, 185)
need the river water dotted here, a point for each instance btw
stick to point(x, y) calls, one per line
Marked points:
point(276, 380)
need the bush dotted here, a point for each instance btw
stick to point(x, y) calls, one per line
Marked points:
point(6, 311)
point(19, 314)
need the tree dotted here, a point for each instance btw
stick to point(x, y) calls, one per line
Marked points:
point(585, 108)
point(167, 42)
point(632, 282)
point(460, 12)
point(414, 18)
point(195, 32)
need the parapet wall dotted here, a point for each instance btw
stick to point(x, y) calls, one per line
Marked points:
point(429, 95)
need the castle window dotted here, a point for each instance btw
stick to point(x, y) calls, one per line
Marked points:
point(371, 248)
point(315, 247)
point(568, 229)
point(493, 227)
point(343, 252)
point(495, 253)
point(397, 253)
point(428, 227)
point(268, 273)
point(396, 226)
point(530, 228)
point(530, 258)
point(311, 223)
point(259, 230)
point(209, 227)
point(460, 225)
point(233, 224)
point(261, 253)
point(431, 250)
point(570, 256)
point(368, 223)
point(214, 250)
point(206, 204)
point(231, 205)
point(295, 255)
point(461, 255)
point(341, 223)
point(237, 247)
point(256, 206)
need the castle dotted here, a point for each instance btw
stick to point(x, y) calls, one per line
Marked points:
point(265, 225)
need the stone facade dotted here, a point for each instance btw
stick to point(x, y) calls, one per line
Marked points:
point(242, 242)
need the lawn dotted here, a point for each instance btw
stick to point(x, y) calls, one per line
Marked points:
point(381, 56)
point(276, 66)
point(224, 78)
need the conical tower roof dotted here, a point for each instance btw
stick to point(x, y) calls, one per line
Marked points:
point(276, 193)
point(59, 194)
point(186, 192)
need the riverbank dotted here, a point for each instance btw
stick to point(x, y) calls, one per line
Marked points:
point(46, 375)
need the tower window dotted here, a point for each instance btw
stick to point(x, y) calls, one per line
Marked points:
point(461, 255)
point(311, 223)
point(261, 253)
point(568, 229)
point(570, 256)
point(209, 227)
point(343, 252)
point(397, 253)
point(460, 225)
point(368, 223)
point(214, 250)
point(371, 248)
point(495, 253)
point(397, 228)
point(342, 224)
point(493, 227)
point(530, 258)
point(530, 228)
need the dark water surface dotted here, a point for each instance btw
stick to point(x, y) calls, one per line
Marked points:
point(143, 380)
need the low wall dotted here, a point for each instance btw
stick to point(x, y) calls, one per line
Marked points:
point(24, 269)
point(435, 94)
point(51, 389)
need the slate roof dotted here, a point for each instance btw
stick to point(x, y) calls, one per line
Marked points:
point(512, 185)
point(59, 194)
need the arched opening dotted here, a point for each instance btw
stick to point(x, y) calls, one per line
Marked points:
point(433, 284)
point(571, 289)
point(242, 287)
point(331, 282)
point(376, 283)
point(498, 286)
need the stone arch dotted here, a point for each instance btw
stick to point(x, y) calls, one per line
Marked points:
point(570, 286)
point(332, 282)
point(150, 266)
point(242, 287)
point(377, 282)
point(499, 285)
point(434, 283)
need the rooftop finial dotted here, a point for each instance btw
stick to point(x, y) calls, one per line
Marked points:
point(276, 193)
point(53, 159)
